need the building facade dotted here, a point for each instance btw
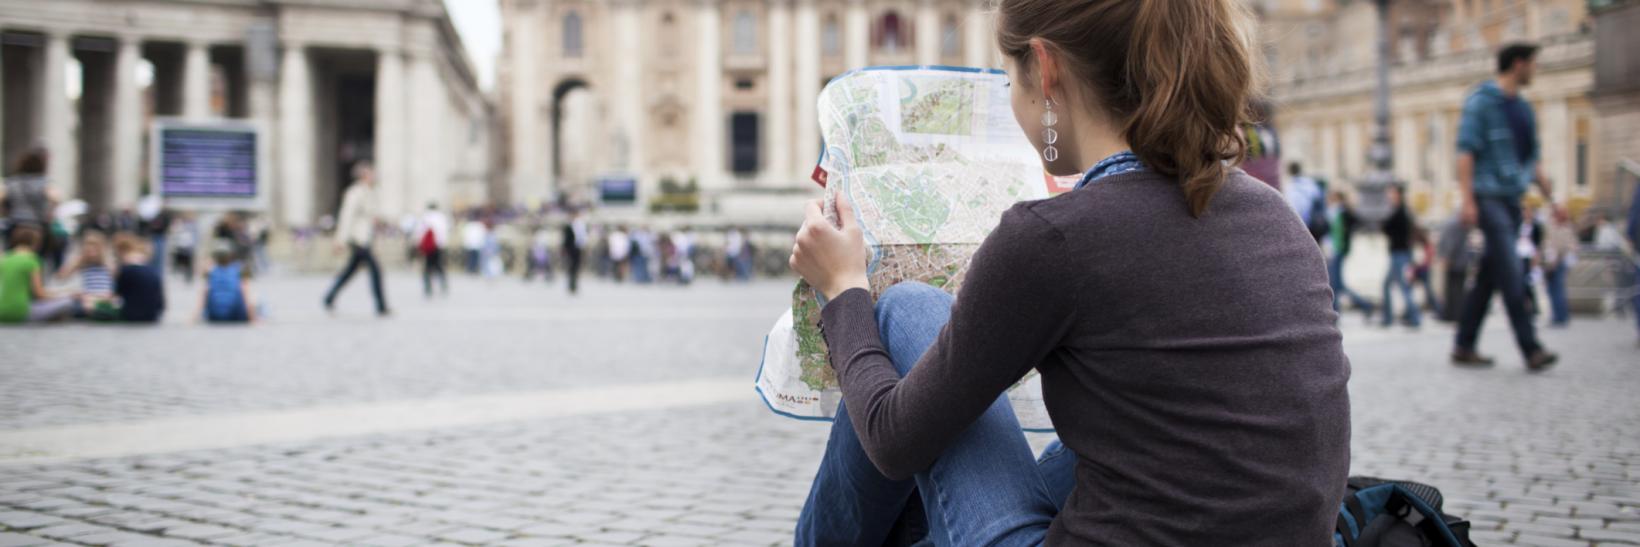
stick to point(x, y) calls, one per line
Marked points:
point(720, 93)
point(330, 83)
point(1322, 55)
point(1617, 100)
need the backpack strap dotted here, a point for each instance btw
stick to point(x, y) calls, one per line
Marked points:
point(1351, 520)
point(1434, 522)
point(1345, 531)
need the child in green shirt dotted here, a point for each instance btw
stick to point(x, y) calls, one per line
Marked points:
point(23, 296)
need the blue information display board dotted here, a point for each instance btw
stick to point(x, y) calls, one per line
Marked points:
point(618, 190)
point(213, 164)
point(207, 163)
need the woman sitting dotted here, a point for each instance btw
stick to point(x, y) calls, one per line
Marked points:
point(1176, 308)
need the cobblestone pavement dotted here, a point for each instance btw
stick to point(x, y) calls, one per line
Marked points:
point(1549, 459)
point(488, 337)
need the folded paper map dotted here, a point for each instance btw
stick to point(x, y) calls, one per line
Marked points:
point(930, 157)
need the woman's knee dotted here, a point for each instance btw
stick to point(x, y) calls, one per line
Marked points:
point(909, 318)
point(911, 299)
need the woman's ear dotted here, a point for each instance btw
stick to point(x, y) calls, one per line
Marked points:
point(1047, 67)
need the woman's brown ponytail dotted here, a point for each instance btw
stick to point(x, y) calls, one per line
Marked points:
point(1177, 76)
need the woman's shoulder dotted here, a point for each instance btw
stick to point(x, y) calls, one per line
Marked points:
point(1030, 221)
point(1109, 200)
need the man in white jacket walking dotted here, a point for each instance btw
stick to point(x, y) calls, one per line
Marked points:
point(357, 230)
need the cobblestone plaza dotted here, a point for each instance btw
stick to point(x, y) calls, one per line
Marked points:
point(515, 415)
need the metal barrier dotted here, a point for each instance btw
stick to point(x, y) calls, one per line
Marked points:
point(1602, 282)
point(1606, 280)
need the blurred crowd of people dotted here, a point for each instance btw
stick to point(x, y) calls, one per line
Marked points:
point(1434, 262)
point(558, 241)
point(96, 265)
point(63, 262)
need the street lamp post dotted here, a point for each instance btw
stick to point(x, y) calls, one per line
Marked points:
point(1372, 202)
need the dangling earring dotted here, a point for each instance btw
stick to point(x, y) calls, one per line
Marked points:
point(1049, 134)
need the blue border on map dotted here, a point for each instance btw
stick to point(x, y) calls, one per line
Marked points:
point(757, 385)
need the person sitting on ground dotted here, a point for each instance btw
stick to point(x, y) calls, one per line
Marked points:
point(96, 299)
point(139, 284)
point(23, 295)
point(1177, 311)
point(227, 294)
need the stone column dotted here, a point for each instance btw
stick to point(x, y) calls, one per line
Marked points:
point(979, 39)
point(630, 129)
point(928, 33)
point(857, 35)
point(779, 134)
point(1355, 150)
point(1555, 141)
point(56, 113)
point(709, 122)
point(127, 142)
point(1330, 165)
point(1407, 152)
point(196, 81)
point(391, 161)
point(1441, 158)
point(261, 76)
point(429, 178)
point(808, 90)
point(531, 164)
point(296, 148)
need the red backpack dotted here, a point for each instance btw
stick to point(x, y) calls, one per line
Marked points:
point(428, 243)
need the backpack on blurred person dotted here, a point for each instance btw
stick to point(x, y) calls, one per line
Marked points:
point(1383, 513)
point(1319, 225)
point(429, 243)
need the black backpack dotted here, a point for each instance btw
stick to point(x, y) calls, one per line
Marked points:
point(1383, 513)
point(1320, 225)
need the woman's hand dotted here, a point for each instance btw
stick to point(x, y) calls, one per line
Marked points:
point(831, 258)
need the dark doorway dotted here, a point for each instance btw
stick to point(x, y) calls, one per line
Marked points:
point(345, 108)
point(22, 60)
point(235, 90)
point(98, 81)
point(355, 126)
point(167, 59)
point(743, 143)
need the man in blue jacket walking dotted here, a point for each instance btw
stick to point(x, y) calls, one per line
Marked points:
point(1497, 161)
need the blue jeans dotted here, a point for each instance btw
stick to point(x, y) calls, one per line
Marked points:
point(156, 260)
point(1397, 275)
point(1500, 271)
point(640, 268)
point(1335, 276)
point(1555, 279)
point(986, 488)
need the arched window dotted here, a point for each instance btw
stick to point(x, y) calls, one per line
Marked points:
point(831, 44)
point(745, 32)
point(572, 35)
